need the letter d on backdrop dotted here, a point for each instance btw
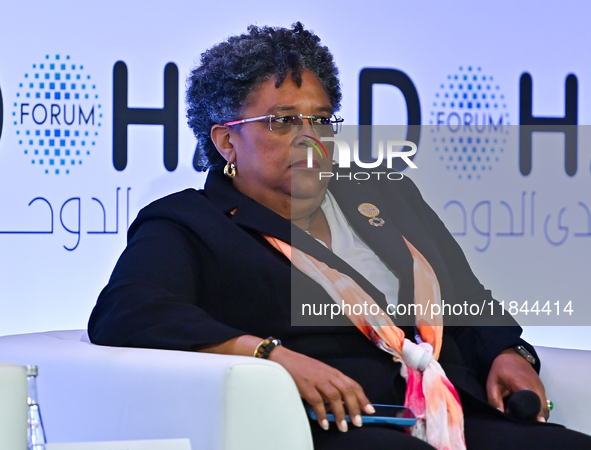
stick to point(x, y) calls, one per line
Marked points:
point(367, 78)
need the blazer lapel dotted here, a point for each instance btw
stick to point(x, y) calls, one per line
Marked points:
point(312, 247)
point(400, 219)
point(386, 241)
point(245, 212)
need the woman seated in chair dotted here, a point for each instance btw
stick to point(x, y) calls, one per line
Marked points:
point(220, 269)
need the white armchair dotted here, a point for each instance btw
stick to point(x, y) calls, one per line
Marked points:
point(564, 373)
point(94, 393)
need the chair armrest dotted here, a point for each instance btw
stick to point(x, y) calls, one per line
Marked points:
point(564, 373)
point(13, 406)
point(94, 393)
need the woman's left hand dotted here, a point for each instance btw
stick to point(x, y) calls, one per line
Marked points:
point(510, 372)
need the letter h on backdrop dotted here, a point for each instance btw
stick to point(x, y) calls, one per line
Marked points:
point(530, 124)
point(168, 116)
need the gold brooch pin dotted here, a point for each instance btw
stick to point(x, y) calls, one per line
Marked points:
point(371, 211)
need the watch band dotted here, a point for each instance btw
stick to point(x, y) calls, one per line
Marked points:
point(264, 349)
point(526, 354)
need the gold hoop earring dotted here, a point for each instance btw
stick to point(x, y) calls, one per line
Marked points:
point(230, 170)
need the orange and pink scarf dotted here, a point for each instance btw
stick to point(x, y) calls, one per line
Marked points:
point(428, 391)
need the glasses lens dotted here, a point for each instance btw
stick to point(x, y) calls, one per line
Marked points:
point(322, 125)
point(284, 124)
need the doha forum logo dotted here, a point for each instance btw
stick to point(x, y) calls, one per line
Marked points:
point(469, 123)
point(56, 115)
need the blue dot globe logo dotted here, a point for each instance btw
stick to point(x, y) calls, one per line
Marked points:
point(57, 115)
point(469, 123)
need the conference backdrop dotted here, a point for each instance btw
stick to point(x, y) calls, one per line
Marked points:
point(92, 128)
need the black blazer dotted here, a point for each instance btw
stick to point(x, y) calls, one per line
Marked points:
point(197, 271)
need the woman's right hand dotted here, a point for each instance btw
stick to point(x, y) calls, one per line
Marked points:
point(320, 384)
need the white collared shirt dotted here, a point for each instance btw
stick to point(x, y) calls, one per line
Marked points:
point(348, 246)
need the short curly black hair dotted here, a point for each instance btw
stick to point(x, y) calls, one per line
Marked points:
point(230, 70)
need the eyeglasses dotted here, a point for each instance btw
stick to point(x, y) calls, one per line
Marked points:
point(324, 126)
